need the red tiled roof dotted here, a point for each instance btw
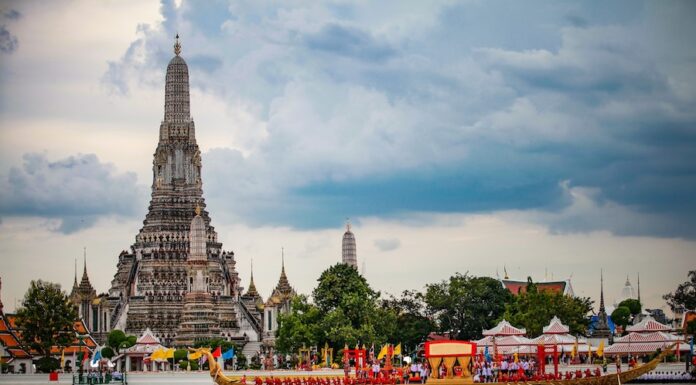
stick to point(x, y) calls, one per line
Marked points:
point(79, 327)
point(147, 338)
point(518, 287)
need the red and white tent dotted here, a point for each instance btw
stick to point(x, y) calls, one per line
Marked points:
point(505, 339)
point(555, 333)
point(646, 337)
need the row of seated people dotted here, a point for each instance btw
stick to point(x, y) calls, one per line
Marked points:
point(517, 377)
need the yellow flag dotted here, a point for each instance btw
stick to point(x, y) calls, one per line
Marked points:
point(517, 357)
point(600, 349)
point(397, 350)
point(575, 350)
point(195, 356)
point(169, 353)
point(382, 352)
point(589, 350)
point(62, 359)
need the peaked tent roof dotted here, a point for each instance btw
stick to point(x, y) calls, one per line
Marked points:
point(555, 326)
point(648, 324)
point(504, 328)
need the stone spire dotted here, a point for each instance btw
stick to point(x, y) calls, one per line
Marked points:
point(85, 285)
point(601, 326)
point(601, 292)
point(283, 283)
point(252, 287)
point(176, 96)
point(349, 256)
point(75, 282)
point(197, 238)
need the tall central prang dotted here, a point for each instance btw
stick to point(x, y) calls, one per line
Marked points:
point(176, 279)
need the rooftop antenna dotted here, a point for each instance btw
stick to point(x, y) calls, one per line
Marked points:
point(639, 287)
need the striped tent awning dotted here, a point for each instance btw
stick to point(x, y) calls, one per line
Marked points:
point(642, 347)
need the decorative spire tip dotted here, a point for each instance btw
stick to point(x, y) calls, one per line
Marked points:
point(177, 46)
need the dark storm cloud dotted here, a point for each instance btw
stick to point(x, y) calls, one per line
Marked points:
point(347, 41)
point(76, 190)
point(485, 107)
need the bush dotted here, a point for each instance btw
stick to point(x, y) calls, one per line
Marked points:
point(107, 352)
point(47, 364)
point(183, 364)
point(180, 354)
point(194, 365)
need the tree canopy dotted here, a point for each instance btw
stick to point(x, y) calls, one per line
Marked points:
point(117, 340)
point(685, 294)
point(535, 308)
point(345, 311)
point(621, 316)
point(408, 316)
point(633, 305)
point(46, 318)
point(465, 305)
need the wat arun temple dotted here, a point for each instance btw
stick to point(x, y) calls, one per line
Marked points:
point(176, 282)
point(176, 279)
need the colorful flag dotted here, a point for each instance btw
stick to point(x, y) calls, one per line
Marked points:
point(96, 356)
point(517, 357)
point(574, 352)
point(62, 359)
point(194, 356)
point(228, 355)
point(397, 349)
point(169, 353)
point(158, 354)
point(204, 358)
point(382, 352)
point(600, 349)
point(487, 354)
point(217, 352)
point(589, 350)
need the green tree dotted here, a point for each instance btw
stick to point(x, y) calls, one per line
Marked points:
point(534, 309)
point(685, 294)
point(46, 318)
point(299, 327)
point(118, 340)
point(633, 305)
point(345, 311)
point(691, 327)
point(411, 324)
point(621, 316)
point(180, 355)
point(466, 305)
point(342, 287)
point(107, 352)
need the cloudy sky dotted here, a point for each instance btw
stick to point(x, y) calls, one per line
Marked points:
point(552, 138)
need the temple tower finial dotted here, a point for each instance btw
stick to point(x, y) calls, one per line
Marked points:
point(349, 249)
point(84, 257)
point(177, 46)
point(601, 291)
